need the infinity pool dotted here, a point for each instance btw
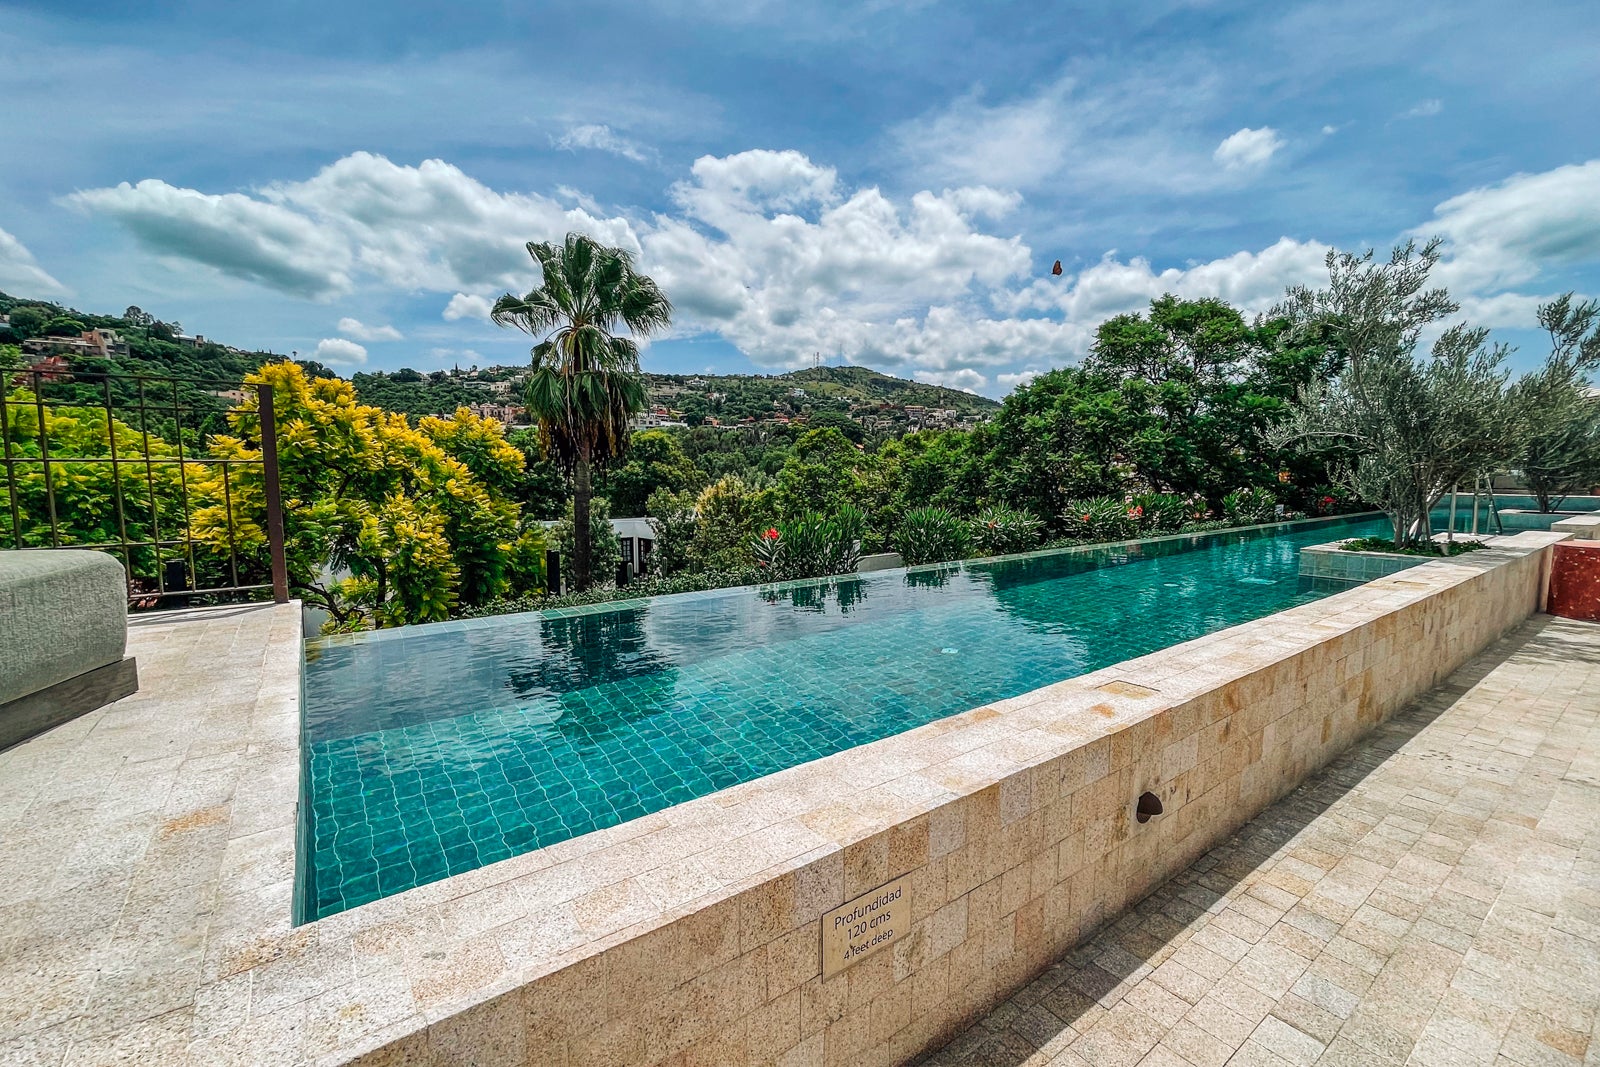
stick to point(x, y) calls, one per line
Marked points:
point(433, 750)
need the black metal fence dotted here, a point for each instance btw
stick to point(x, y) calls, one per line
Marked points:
point(124, 464)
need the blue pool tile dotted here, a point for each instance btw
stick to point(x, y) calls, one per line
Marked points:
point(455, 746)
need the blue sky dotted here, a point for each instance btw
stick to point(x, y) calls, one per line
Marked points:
point(880, 182)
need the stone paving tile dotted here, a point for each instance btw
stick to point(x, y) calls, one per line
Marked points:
point(121, 831)
point(1433, 897)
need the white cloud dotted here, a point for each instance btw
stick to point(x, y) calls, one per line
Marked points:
point(1097, 129)
point(20, 273)
point(600, 138)
point(1423, 109)
point(425, 228)
point(1510, 232)
point(360, 331)
point(1247, 149)
point(784, 259)
point(1020, 378)
point(772, 254)
point(468, 306)
point(1251, 281)
point(337, 350)
point(965, 379)
point(239, 235)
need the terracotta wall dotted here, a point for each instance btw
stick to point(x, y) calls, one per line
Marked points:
point(1575, 581)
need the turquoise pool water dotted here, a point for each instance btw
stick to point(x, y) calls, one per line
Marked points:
point(432, 750)
point(1440, 515)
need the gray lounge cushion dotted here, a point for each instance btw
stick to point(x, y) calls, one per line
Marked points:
point(62, 612)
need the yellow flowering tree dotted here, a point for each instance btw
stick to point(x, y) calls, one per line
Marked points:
point(382, 519)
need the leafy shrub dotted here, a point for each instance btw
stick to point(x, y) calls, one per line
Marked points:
point(1207, 525)
point(726, 519)
point(1332, 500)
point(931, 535)
point(812, 545)
point(605, 551)
point(672, 518)
point(1165, 512)
point(1248, 507)
point(1101, 518)
point(1423, 548)
point(1000, 529)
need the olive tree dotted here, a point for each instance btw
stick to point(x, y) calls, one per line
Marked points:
point(1557, 421)
point(1418, 422)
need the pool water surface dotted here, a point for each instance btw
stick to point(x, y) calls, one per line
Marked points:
point(433, 750)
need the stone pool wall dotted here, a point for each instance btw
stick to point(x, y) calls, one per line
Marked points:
point(996, 839)
point(1331, 561)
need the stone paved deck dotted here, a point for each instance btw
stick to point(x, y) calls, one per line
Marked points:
point(142, 840)
point(1433, 897)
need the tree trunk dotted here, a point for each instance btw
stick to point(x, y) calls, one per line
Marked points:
point(582, 549)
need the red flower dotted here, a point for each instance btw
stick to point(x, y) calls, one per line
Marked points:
point(1137, 511)
point(1086, 517)
point(771, 534)
point(1329, 500)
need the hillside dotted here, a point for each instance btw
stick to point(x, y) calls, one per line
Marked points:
point(852, 385)
point(153, 347)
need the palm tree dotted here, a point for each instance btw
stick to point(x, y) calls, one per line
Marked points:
point(585, 381)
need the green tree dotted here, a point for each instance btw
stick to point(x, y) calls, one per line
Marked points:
point(824, 472)
point(418, 515)
point(29, 320)
point(544, 490)
point(837, 420)
point(729, 515)
point(1557, 422)
point(1197, 391)
point(64, 326)
point(606, 549)
point(585, 381)
point(655, 460)
point(672, 517)
point(1417, 424)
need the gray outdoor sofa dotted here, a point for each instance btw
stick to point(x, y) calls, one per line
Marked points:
point(63, 636)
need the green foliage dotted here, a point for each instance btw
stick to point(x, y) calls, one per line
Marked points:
point(999, 530)
point(655, 461)
point(1557, 445)
point(1102, 518)
point(1250, 507)
point(88, 494)
point(585, 381)
point(823, 473)
point(1165, 512)
point(417, 514)
point(28, 320)
point(544, 489)
point(811, 545)
point(931, 535)
point(1416, 425)
point(64, 326)
point(602, 594)
point(606, 549)
point(1424, 548)
point(672, 517)
point(728, 515)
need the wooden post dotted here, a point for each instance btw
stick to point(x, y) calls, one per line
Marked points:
point(269, 474)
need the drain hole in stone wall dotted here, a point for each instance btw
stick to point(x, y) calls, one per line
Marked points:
point(1149, 807)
